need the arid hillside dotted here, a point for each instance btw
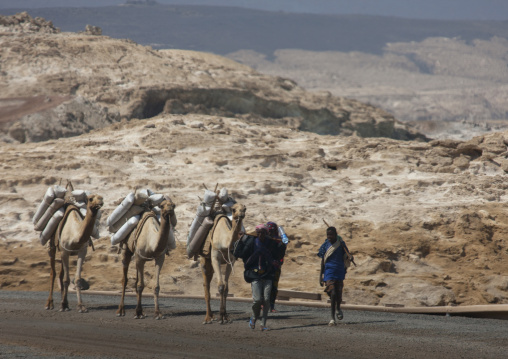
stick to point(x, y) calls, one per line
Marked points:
point(110, 79)
point(446, 76)
point(426, 221)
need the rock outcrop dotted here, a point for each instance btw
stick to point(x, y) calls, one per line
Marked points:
point(135, 81)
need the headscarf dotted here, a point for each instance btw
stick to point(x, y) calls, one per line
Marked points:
point(261, 227)
point(273, 229)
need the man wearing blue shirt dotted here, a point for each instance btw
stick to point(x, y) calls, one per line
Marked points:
point(333, 270)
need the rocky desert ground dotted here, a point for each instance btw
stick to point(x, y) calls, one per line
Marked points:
point(425, 219)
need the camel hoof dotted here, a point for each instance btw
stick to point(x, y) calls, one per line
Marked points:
point(120, 314)
point(159, 317)
point(64, 309)
point(142, 316)
point(207, 322)
point(83, 310)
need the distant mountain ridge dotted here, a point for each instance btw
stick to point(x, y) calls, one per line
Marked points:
point(415, 9)
point(222, 30)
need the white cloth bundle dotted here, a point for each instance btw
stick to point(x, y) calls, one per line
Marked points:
point(50, 212)
point(49, 196)
point(55, 205)
point(202, 211)
point(120, 210)
point(131, 212)
point(127, 215)
point(199, 236)
point(51, 226)
point(125, 230)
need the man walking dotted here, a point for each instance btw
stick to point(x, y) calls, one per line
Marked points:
point(334, 256)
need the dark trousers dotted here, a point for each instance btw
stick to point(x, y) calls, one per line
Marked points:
point(275, 288)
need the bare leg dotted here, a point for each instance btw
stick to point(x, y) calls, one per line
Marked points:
point(207, 270)
point(339, 287)
point(65, 280)
point(52, 275)
point(77, 280)
point(127, 256)
point(159, 262)
point(335, 300)
point(140, 285)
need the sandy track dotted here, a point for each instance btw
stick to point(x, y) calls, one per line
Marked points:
point(27, 330)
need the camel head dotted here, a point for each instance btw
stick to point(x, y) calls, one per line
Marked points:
point(167, 208)
point(95, 202)
point(238, 211)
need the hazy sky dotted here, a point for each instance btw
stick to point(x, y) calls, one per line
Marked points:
point(420, 9)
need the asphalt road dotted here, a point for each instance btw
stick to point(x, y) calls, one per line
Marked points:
point(29, 331)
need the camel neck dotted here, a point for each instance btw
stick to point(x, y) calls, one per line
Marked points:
point(86, 227)
point(164, 228)
point(237, 225)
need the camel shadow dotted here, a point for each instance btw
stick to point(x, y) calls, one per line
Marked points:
point(111, 307)
point(201, 313)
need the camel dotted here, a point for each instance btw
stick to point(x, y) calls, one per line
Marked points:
point(222, 236)
point(150, 240)
point(72, 237)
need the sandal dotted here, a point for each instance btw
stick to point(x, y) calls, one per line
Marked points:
point(264, 329)
point(252, 324)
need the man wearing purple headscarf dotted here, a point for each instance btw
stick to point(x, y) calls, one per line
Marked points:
point(273, 233)
point(261, 256)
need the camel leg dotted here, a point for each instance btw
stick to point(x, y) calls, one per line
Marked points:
point(220, 284)
point(77, 279)
point(140, 285)
point(52, 275)
point(126, 260)
point(65, 280)
point(159, 262)
point(224, 295)
point(207, 270)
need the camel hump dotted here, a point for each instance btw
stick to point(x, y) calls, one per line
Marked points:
point(69, 208)
point(207, 244)
point(146, 216)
